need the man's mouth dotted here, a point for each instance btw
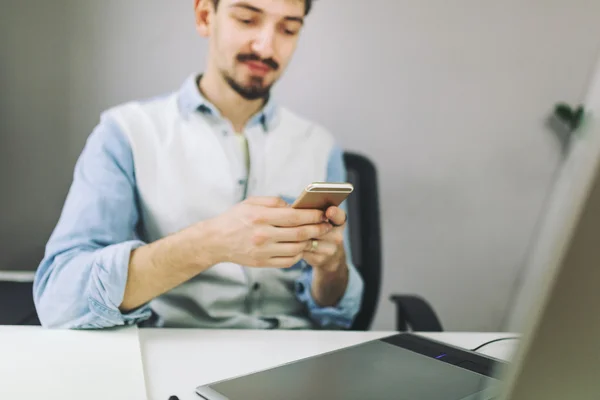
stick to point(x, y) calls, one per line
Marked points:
point(257, 67)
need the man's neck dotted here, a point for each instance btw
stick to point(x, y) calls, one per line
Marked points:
point(230, 104)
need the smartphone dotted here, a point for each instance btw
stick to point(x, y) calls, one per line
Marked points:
point(322, 195)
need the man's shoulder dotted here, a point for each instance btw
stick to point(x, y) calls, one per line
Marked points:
point(289, 120)
point(138, 118)
point(151, 107)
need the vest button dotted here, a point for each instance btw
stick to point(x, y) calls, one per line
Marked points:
point(256, 286)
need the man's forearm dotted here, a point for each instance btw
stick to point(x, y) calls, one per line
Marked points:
point(160, 266)
point(329, 285)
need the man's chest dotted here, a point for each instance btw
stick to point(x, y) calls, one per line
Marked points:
point(196, 172)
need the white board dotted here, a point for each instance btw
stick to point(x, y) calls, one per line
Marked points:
point(570, 185)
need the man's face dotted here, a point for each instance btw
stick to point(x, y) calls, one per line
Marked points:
point(252, 41)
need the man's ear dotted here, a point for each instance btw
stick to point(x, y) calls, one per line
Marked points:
point(203, 11)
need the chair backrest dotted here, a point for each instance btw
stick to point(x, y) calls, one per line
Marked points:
point(365, 233)
point(16, 303)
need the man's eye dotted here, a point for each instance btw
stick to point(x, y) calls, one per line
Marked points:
point(290, 32)
point(245, 21)
point(290, 29)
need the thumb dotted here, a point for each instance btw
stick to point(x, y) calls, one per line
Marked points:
point(267, 201)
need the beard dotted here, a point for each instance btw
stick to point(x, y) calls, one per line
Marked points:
point(256, 89)
point(252, 91)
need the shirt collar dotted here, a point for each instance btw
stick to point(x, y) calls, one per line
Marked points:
point(191, 100)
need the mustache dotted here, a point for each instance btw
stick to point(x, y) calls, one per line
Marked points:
point(253, 57)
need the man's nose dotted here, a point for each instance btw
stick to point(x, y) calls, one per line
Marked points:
point(264, 44)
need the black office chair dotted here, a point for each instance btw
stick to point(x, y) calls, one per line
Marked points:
point(365, 233)
point(412, 312)
point(16, 304)
point(17, 307)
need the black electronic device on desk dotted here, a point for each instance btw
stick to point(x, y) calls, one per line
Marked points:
point(402, 366)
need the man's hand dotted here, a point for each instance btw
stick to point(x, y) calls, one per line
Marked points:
point(265, 232)
point(327, 252)
point(328, 259)
point(259, 232)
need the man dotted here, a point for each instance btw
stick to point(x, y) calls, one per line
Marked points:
point(176, 216)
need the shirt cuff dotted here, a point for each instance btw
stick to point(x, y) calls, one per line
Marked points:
point(107, 285)
point(344, 312)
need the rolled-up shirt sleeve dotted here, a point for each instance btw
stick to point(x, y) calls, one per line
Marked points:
point(342, 314)
point(81, 281)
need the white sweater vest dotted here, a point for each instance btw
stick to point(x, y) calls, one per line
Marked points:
point(189, 168)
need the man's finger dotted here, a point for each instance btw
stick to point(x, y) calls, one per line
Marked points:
point(336, 216)
point(291, 217)
point(284, 262)
point(271, 202)
point(290, 249)
point(300, 233)
point(333, 235)
point(321, 247)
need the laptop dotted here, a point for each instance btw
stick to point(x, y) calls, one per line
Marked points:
point(558, 357)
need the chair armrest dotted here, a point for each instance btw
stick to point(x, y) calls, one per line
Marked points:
point(415, 312)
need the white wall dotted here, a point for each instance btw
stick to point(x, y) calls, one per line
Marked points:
point(453, 111)
point(34, 173)
point(449, 99)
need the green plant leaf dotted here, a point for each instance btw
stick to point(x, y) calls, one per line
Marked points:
point(577, 118)
point(564, 112)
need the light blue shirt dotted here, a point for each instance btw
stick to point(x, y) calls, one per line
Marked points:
point(80, 283)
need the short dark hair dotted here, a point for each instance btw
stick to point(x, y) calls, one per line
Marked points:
point(307, 3)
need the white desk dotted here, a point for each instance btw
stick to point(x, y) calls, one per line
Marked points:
point(176, 361)
point(36, 363)
point(108, 364)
